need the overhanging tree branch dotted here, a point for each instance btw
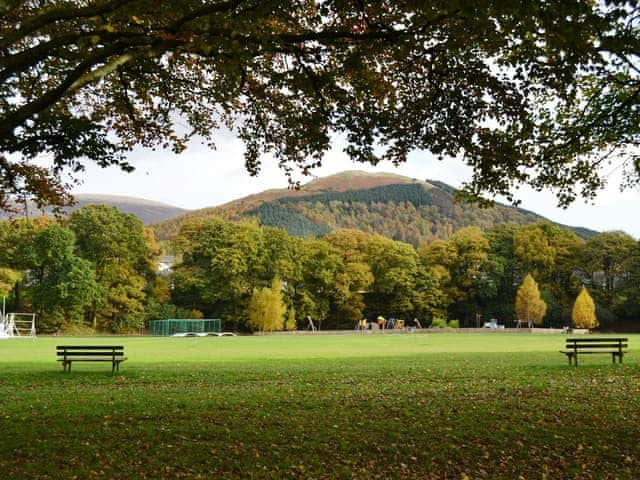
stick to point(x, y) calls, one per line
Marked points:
point(52, 15)
point(475, 79)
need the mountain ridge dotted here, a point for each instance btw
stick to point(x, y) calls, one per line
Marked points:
point(399, 207)
point(148, 211)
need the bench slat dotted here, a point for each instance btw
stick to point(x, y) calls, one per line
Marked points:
point(596, 340)
point(580, 352)
point(95, 354)
point(89, 347)
point(600, 345)
point(93, 359)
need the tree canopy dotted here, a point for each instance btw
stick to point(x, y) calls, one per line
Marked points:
point(543, 92)
point(266, 309)
point(584, 311)
point(123, 256)
point(96, 270)
point(529, 306)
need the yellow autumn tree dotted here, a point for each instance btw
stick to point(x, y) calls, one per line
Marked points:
point(584, 311)
point(290, 324)
point(530, 307)
point(8, 279)
point(267, 309)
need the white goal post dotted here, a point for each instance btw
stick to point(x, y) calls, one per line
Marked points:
point(18, 325)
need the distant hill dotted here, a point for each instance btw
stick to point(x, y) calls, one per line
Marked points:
point(147, 211)
point(397, 207)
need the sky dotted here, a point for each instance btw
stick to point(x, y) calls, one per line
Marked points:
point(200, 177)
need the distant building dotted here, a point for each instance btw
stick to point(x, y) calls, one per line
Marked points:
point(165, 263)
point(599, 280)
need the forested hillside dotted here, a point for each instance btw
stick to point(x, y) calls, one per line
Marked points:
point(412, 213)
point(396, 207)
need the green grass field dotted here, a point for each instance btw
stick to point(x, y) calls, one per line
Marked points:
point(441, 406)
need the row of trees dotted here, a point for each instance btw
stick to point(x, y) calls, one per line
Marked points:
point(348, 274)
point(485, 269)
point(531, 308)
point(97, 269)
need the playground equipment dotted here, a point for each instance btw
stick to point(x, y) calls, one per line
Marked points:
point(18, 325)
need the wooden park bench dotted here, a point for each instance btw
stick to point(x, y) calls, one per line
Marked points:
point(67, 354)
point(613, 346)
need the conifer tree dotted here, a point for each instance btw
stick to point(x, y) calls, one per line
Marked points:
point(584, 311)
point(529, 305)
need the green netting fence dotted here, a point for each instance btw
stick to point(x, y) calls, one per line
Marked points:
point(184, 325)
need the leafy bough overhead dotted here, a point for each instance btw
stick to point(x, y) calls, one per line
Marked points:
point(541, 92)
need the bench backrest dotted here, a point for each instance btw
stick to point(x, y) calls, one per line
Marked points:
point(90, 350)
point(610, 343)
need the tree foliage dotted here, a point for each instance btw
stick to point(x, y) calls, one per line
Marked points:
point(63, 284)
point(321, 285)
point(467, 282)
point(529, 305)
point(123, 257)
point(538, 92)
point(551, 253)
point(348, 274)
point(267, 309)
point(217, 269)
point(98, 269)
point(628, 305)
point(290, 324)
point(8, 278)
point(610, 253)
point(411, 213)
point(584, 311)
point(49, 278)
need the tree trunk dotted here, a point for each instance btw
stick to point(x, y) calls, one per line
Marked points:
point(16, 297)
